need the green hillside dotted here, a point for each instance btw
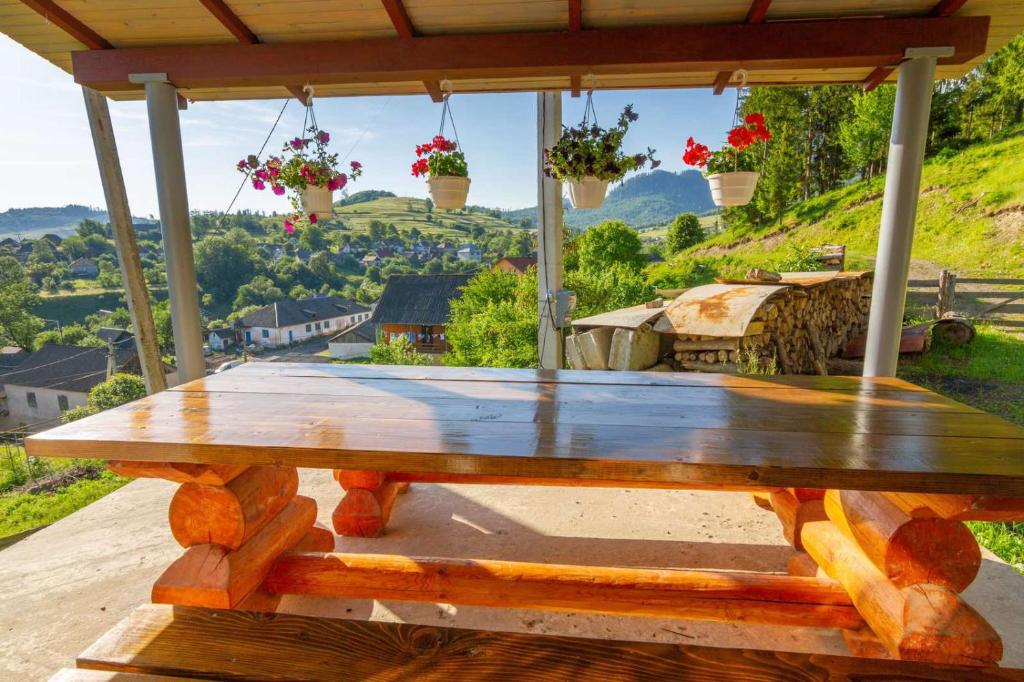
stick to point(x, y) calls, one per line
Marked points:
point(970, 219)
point(406, 213)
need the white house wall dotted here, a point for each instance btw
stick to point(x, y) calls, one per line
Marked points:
point(47, 406)
point(278, 336)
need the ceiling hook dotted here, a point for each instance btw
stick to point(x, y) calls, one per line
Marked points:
point(592, 79)
point(742, 75)
point(308, 90)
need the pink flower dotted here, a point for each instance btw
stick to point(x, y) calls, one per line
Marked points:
point(243, 164)
point(297, 143)
point(274, 172)
point(288, 226)
point(262, 174)
point(278, 189)
point(323, 136)
point(258, 184)
point(312, 218)
point(356, 165)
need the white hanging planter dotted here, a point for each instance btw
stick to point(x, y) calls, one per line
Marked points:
point(587, 192)
point(318, 200)
point(449, 191)
point(733, 189)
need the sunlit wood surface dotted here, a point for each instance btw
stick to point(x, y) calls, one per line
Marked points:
point(816, 432)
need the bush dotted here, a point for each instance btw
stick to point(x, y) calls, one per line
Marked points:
point(117, 390)
point(684, 232)
point(399, 352)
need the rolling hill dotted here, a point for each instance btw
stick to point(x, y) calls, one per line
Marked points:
point(35, 221)
point(407, 213)
point(645, 200)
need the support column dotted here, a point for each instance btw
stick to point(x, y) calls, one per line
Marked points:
point(899, 209)
point(135, 292)
point(549, 232)
point(169, 166)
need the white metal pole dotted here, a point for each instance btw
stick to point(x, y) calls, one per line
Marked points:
point(135, 292)
point(899, 209)
point(549, 232)
point(169, 166)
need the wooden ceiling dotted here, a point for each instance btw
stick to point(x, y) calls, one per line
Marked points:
point(246, 49)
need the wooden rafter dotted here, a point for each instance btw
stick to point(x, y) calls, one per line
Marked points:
point(575, 24)
point(756, 14)
point(675, 49)
point(64, 20)
point(404, 28)
point(945, 8)
point(226, 16)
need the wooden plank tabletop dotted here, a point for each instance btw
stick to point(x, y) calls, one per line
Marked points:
point(836, 432)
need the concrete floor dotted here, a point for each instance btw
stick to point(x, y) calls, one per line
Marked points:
point(64, 586)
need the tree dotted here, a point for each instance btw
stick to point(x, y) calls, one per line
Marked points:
point(18, 296)
point(162, 322)
point(222, 266)
point(610, 288)
point(428, 204)
point(398, 352)
point(70, 335)
point(260, 291)
point(119, 389)
point(611, 242)
point(299, 292)
point(684, 232)
point(74, 247)
point(91, 227)
point(865, 136)
point(494, 323)
point(314, 237)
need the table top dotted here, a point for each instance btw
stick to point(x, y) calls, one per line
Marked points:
point(817, 432)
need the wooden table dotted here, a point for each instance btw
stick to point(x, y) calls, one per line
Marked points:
point(871, 479)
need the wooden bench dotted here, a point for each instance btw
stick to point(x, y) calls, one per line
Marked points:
point(192, 643)
point(870, 478)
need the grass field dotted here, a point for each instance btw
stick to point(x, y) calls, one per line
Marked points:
point(407, 213)
point(21, 512)
point(69, 308)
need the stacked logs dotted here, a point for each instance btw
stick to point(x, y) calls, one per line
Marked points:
point(234, 521)
point(797, 330)
point(902, 571)
point(366, 506)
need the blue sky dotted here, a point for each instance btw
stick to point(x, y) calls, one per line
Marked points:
point(48, 160)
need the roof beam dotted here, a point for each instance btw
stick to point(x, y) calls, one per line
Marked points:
point(755, 15)
point(404, 28)
point(231, 21)
point(575, 24)
point(64, 20)
point(945, 8)
point(781, 45)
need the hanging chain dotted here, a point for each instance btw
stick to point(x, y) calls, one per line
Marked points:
point(446, 115)
point(589, 112)
point(258, 154)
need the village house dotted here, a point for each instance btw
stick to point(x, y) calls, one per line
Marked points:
point(469, 252)
point(9, 243)
point(290, 321)
point(54, 239)
point(369, 259)
point(417, 307)
point(56, 378)
point(517, 264)
point(354, 342)
point(221, 338)
point(84, 267)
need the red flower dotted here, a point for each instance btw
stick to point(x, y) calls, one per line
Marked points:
point(312, 218)
point(420, 167)
point(757, 119)
point(289, 227)
point(696, 154)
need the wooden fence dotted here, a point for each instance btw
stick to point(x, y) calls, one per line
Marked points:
point(975, 297)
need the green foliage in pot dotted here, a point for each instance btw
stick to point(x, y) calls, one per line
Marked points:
point(589, 150)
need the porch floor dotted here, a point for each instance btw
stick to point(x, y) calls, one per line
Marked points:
point(67, 584)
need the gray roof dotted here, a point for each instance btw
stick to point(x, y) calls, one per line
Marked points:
point(113, 335)
point(364, 332)
point(418, 299)
point(68, 368)
point(289, 311)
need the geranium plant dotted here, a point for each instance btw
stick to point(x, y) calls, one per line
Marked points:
point(440, 157)
point(304, 164)
point(589, 150)
point(729, 158)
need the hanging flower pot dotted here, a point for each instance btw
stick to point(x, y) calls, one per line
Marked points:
point(449, 191)
point(734, 188)
point(305, 171)
point(730, 170)
point(588, 157)
point(317, 199)
point(587, 192)
point(447, 173)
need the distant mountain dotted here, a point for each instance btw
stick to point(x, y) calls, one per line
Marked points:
point(32, 222)
point(653, 198)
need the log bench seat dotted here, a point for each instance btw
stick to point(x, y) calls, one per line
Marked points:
point(158, 642)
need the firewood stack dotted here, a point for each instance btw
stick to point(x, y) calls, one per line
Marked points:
point(793, 323)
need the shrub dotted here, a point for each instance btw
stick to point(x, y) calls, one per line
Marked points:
point(398, 352)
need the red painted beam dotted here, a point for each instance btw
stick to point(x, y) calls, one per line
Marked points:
point(945, 8)
point(781, 45)
point(64, 20)
point(575, 15)
point(230, 21)
point(404, 28)
point(755, 15)
point(758, 11)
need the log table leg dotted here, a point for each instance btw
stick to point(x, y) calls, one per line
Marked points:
point(366, 507)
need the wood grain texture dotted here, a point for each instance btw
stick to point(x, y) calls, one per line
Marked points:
point(231, 514)
point(811, 433)
point(205, 474)
point(242, 646)
point(960, 507)
point(907, 550)
point(364, 513)
point(695, 595)
point(211, 575)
